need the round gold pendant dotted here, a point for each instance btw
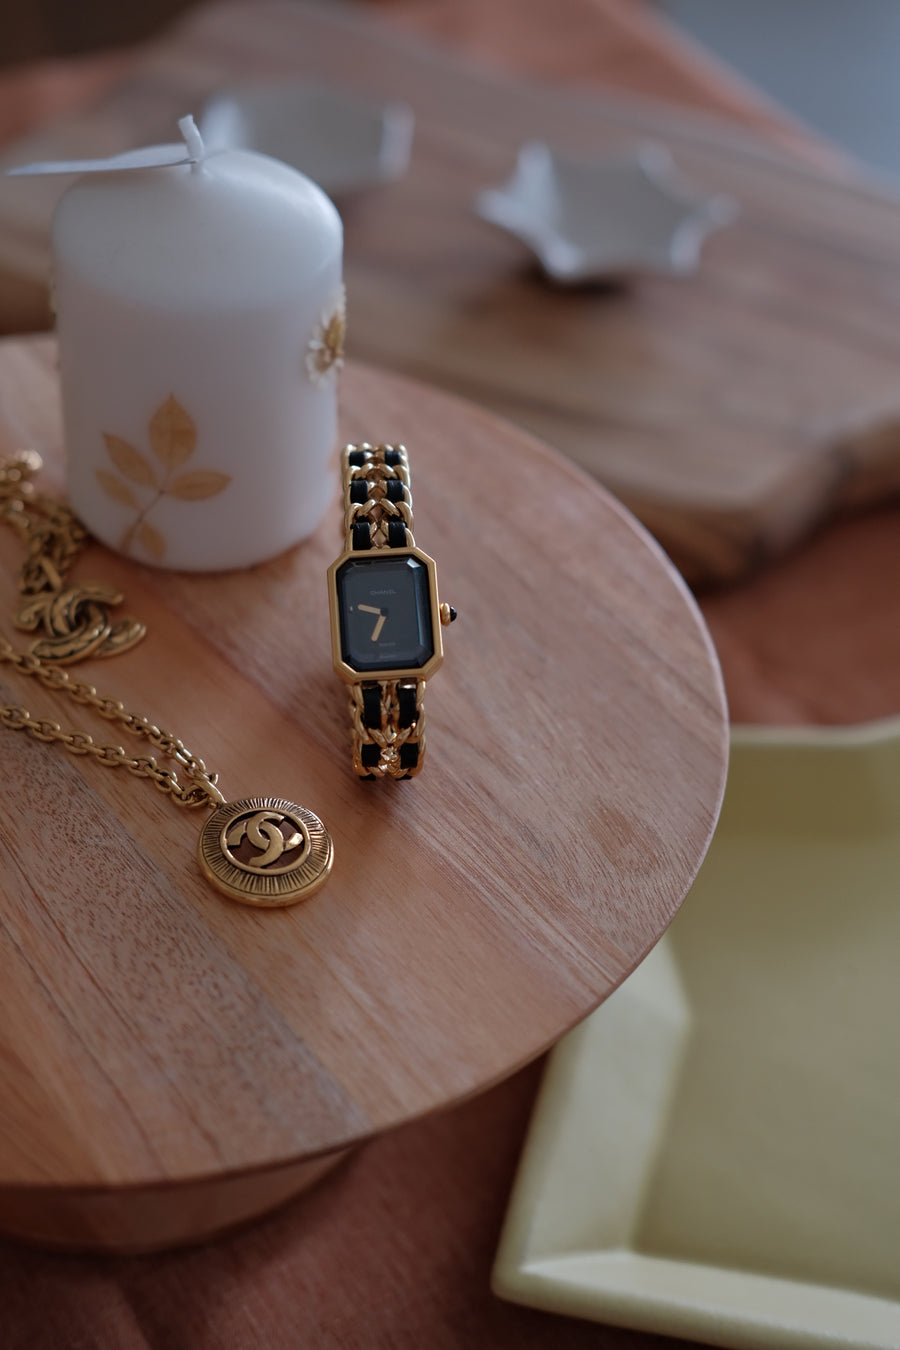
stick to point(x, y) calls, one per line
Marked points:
point(265, 851)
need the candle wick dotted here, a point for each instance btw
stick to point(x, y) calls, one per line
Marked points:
point(192, 139)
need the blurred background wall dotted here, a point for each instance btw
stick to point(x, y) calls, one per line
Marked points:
point(833, 63)
point(33, 29)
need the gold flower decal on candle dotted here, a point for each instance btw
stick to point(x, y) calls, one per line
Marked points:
point(325, 349)
point(173, 439)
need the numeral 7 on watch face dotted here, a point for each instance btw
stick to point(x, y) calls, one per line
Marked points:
point(371, 609)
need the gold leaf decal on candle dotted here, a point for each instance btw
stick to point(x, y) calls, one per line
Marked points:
point(115, 488)
point(173, 439)
point(325, 349)
point(195, 487)
point(150, 538)
point(173, 436)
point(130, 461)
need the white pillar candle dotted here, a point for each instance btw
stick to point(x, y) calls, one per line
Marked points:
point(200, 316)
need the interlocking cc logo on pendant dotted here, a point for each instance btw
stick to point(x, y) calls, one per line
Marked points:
point(75, 624)
point(265, 851)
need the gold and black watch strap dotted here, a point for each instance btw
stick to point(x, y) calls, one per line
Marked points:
point(388, 719)
point(388, 716)
point(377, 497)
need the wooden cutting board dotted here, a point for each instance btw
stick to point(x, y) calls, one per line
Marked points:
point(170, 1061)
point(733, 411)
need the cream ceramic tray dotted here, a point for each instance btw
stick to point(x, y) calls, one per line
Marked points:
point(715, 1153)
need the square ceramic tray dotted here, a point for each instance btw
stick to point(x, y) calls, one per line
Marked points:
point(715, 1153)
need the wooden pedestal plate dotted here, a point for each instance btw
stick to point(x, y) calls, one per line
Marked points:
point(172, 1063)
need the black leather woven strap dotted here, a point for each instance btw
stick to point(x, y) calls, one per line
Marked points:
point(388, 728)
point(377, 497)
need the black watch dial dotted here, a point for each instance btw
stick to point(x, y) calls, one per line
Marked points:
point(385, 611)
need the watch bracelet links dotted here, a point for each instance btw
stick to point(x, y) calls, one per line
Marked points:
point(387, 716)
point(388, 722)
point(377, 497)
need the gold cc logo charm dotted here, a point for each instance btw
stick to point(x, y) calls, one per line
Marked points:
point(76, 624)
point(264, 831)
point(265, 851)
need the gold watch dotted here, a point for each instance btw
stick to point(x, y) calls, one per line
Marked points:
point(386, 617)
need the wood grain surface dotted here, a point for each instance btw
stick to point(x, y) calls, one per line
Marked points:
point(155, 1033)
point(733, 412)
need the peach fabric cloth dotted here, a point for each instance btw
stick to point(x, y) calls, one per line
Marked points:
point(396, 1248)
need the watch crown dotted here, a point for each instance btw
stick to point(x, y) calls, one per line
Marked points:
point(448, 614)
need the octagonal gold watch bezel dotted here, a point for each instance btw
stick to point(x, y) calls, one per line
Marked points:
point(347, 672)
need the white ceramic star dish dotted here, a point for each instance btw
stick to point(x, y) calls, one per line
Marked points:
point(715, 1153)
point(343, 142)
point(606, 219)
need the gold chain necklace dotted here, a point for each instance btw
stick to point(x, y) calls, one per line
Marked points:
point(74, 622)
point(263, 851)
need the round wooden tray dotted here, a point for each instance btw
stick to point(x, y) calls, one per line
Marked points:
point(171, 1062)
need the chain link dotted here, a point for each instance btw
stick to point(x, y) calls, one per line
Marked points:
point(73, 623)
point(389, 736)
point(377, 510)
point(76, 626)
point(52, 533)
point(201, 788)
